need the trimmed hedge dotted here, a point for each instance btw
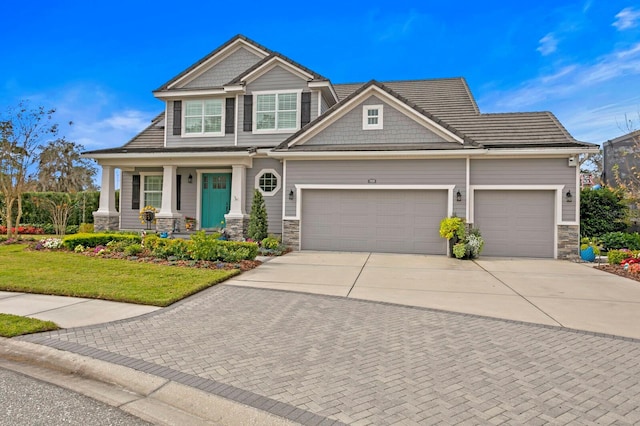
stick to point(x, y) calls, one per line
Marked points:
point(208, 247)
point(93, 240)
point(615, 257)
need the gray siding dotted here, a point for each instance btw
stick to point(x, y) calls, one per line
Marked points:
point(323, 105)
point(274, 202)
point(129, 218)
point(179, 141)
point(314, 104)
point(385, 172)
point(397, 129)
point(225, 71)
point(275, 79)
point(543, 171)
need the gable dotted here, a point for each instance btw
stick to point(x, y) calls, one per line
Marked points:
point(277, 78)
point(224, 71)
point(397, 129)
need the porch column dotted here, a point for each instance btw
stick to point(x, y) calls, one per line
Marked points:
point(237, 219)
point(164, 219)
point(107, 218)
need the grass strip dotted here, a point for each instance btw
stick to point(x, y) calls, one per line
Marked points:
point(14, 325)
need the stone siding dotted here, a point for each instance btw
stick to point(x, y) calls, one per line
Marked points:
point(237, 228)
point(106, 222)
point(291, 234)
point(568, 241)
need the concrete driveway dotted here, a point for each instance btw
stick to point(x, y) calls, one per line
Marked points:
point(551, 292)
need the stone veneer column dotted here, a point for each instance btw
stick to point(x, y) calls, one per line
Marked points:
point(107, 218)
point(568, 241)
point(237, 227)
point(291, 234)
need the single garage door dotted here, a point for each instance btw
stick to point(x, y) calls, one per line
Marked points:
point(386, 221)
point(516, 223)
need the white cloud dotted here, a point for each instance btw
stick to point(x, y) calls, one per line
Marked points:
point(392, 27)
point(626, 18)
point(547, 44)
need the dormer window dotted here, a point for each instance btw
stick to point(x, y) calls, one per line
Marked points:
point(203, 117)
point(372, 117)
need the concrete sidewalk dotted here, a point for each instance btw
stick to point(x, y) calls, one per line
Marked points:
point(540, 291)
point(69, 312)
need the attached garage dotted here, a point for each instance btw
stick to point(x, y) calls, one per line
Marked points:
point(516, 223)
point(373, 220)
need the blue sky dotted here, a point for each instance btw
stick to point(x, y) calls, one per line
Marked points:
point(97, 62)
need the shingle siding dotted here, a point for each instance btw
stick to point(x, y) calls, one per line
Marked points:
point(225, 71)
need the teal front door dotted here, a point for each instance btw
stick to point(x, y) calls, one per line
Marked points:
point(216, 197)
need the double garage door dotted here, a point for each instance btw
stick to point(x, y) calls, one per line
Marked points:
point(391, 221)
point(513, 223)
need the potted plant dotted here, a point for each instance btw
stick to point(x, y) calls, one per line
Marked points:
point(452, 229)
point(189, 223)
point(589, 249)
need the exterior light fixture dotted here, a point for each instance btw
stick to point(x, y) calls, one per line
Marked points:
point(568, 196)
point(190, 178)
point(291, 194)
point(458, 196)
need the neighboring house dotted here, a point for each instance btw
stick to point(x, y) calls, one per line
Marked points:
point(621, 157)
point(354, 167)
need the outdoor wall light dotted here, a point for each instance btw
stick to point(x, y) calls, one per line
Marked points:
point(568, 196)
point(458, 196)
point(190, 179)
point(291, 194)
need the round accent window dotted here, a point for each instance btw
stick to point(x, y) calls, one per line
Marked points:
point(268, 182)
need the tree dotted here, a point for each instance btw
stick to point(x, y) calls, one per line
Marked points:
point(59, 205)
point(601, 211)
point(22, 132)
point(62, 169)
point(258, 218)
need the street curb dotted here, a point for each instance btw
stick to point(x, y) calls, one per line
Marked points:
point(151, 398)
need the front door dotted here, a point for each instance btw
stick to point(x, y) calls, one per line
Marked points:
point(216, 196)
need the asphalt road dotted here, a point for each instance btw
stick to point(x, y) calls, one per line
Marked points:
point(28, 401)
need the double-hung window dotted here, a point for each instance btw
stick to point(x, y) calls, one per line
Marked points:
point(203, 117)
point(277, 112)
point(152, 190)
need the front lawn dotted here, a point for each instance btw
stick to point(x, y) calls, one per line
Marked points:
point(13, 325)
point(69, 274)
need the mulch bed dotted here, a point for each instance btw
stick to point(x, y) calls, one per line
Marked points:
point(619, 270)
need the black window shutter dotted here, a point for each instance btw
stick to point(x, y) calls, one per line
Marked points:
point(230, 116)
point(305, 113)
point(177, 118)
point(248, 113)
point(135, 192)
point(178, 191)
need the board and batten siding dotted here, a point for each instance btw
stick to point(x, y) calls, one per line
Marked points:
point(385, 172)
point(178, 141)
point(536, 171)
point(225, 71)
point(273, 203)
point(273, 80)
point(397, 129)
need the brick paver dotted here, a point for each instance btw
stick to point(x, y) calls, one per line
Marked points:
point(325, 360)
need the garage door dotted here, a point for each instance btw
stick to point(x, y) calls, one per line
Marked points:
point(387, 221)
point(516, 223)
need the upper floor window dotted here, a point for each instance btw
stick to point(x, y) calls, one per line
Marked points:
point(203, 117)
point(277, 112)
point(372, 117)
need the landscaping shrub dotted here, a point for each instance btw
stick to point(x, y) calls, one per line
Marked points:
point(615, 257)
point(602, 211)
point(94, 240)
point(619, 240)
point(258, 225)
point(133, 249)
point(270, 243)
point(205, 247)
point(85, 228)
point(165, 248)
point(24, 230)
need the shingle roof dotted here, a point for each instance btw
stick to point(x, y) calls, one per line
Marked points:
point(151, 137)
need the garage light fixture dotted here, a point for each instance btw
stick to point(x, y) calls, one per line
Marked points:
point(291, 194)
point(190, 178)
point(568, 196)
point(458, 196)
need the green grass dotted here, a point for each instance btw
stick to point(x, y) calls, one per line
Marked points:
point(13, 325)
point(69, 274)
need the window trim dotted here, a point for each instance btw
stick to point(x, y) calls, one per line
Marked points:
point(365, 117)
point(255, 95)
point(278, 183)
point(143, 176)
point(203, 134)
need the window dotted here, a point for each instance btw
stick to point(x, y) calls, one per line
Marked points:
point(152, 190)
point(277, 112)
point(203, 117)
point(268, 182)
point(372, 117)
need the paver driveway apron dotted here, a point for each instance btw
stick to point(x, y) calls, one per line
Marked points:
point(550, 292)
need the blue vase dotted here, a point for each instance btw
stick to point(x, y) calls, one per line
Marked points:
point(588, 255)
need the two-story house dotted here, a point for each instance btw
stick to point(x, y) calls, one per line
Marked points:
point(356, 167)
